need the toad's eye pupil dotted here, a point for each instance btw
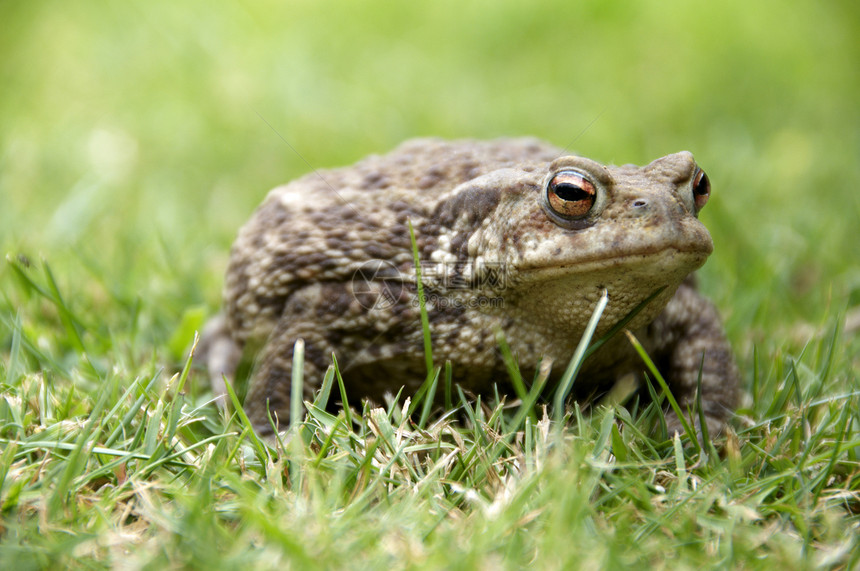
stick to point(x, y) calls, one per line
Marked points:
point(567, 191)
point(570, 195)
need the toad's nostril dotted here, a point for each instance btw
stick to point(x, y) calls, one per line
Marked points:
point(640, 203)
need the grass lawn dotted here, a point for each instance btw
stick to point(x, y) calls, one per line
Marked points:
point(135, 139)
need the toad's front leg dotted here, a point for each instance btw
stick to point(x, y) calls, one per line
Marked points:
point(689, 338)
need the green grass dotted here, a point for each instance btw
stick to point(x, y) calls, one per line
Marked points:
point(136, 139)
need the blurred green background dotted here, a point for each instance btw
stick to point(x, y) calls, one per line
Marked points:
point(136, 137)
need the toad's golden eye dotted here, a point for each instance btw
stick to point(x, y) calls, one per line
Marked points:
point(570, 195)
point(701, 190)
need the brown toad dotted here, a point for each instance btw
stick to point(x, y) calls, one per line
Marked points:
point(513, 237)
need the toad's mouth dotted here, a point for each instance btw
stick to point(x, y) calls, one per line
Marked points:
point(654, 262)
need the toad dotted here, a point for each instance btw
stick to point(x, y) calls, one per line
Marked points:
point(515, 238)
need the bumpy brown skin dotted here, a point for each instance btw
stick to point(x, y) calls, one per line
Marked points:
point(495, 257)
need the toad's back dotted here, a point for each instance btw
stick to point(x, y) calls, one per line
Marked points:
point(326, 225)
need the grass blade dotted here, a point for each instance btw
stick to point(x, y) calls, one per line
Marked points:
point(425, 322)
point(567, 379)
